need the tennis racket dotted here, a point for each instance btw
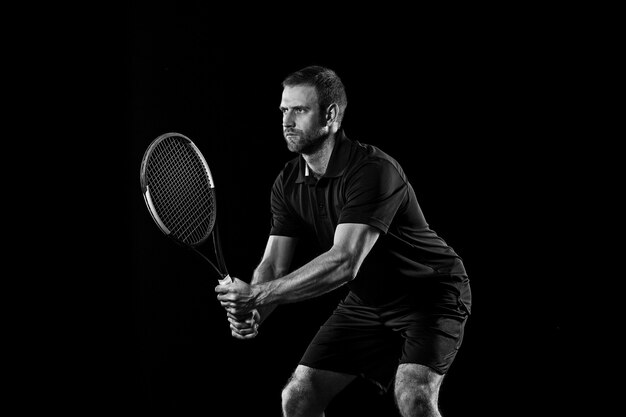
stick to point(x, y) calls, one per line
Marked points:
point(179, 191)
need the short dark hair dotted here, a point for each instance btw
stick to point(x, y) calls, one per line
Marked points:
point(327, 84)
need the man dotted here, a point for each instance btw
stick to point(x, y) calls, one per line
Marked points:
point(402, 322)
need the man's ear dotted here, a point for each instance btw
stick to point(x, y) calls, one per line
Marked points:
point(331, 114)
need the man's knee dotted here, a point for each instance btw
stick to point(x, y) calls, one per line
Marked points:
point(309, 390)
point(294, 392)
point(417, 390)
point(298, 395)
point(418, 399)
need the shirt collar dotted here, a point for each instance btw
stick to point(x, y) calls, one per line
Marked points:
point(336, 164)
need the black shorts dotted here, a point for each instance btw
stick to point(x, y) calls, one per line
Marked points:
point(371, 342)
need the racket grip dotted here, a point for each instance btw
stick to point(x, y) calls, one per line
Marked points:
point(226, 280)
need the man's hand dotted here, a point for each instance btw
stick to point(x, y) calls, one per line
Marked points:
point(237, 298)
point(244, 328)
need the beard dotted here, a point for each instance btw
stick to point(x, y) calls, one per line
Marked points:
point(306, 143)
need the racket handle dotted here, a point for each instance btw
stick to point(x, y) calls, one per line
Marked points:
point(226, 280)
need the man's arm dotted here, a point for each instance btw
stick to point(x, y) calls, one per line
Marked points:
point(330, 270)
point(352, 242)
point(274, 264)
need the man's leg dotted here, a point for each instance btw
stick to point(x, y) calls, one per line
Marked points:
point(309, 391)
point(417, 390)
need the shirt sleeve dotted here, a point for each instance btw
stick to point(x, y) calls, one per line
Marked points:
point(284, 221)
point(374, 193)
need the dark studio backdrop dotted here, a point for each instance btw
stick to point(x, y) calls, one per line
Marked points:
point(472, 119)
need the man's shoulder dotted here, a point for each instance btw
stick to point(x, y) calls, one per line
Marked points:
point(372, 156)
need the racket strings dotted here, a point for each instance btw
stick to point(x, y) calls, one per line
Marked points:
point(189, 200)
point(181, 191)
point(190, 205)
point(184, 193)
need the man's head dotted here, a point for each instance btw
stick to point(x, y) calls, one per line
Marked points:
point(313, 104)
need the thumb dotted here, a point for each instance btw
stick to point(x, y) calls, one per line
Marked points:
point(226, 280)
point(238, 281)
point(254, 317)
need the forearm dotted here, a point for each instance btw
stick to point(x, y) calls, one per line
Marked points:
point(323, 274)
point(262, 274)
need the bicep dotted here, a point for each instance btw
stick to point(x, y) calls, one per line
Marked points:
point(355, 240)
point(279, 253)
point(374, 193)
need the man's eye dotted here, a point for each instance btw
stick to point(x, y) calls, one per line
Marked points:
point(300, 111)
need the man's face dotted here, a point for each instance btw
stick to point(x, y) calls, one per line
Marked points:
point(302, 126)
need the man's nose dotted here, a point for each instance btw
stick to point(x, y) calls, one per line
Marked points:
point(288, 120)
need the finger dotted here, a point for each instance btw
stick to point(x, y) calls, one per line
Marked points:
point(246, 337)
point(239, 324)
point(237, 336)
point(239, 317)
point(225, 297)
point(243, 331)
point(240, 334)
point(237, 311)
point(239, 320)
point(234, 310)
point(247, 319)
point(221, 288)
point(224, 287)
point(256, 315)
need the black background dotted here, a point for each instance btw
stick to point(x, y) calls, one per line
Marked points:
point(479, 117)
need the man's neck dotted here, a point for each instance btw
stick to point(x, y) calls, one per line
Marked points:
point(318, 161)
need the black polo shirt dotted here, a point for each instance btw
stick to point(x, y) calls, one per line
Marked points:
point(364, 185)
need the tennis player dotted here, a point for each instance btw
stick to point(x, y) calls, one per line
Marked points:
point(402, 322)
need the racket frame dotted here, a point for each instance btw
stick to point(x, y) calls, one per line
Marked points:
point(221, 263)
